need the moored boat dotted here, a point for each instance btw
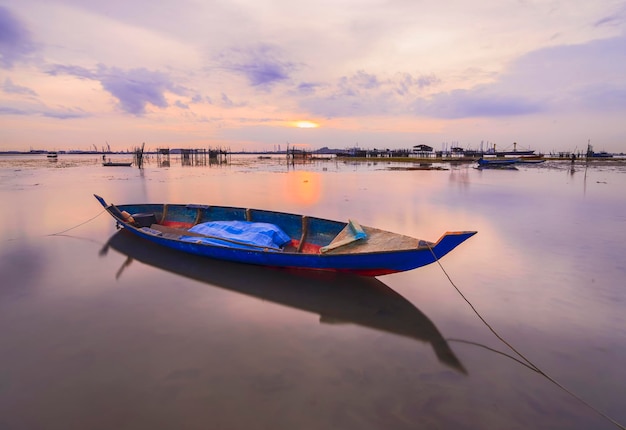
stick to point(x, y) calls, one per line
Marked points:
point(531, 159)
point(508, 153)
point(278, 239)
point(497, 161)
point(117, 164)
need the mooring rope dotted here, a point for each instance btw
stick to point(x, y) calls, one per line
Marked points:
point(66, 230)
point(531, 365)
point(76, 226)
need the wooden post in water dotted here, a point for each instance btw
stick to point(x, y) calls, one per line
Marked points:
point(139, 156)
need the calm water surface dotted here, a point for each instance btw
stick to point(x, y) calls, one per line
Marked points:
point(99, 330)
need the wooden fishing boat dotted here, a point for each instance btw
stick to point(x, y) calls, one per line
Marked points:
point(277, 239)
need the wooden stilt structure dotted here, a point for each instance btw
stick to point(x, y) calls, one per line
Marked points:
point(138, 157)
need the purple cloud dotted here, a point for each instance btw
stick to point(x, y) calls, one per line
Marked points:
point(365, 80)
point(5, 110)
point(260, 65)
point(15, 40)
point(586, 76)
point(199, 99)
point(181, 105)
point(353, 85)
point(80, 72)
point(561, 78)
point(10, 88)
point(134, 89)
point(365, 93)
point(407, 82)
point(67, 114)
point(227, 102)
point(306, 88)
point(467, 104)
point(616, 19)
point(44, 111)
point(604, 97)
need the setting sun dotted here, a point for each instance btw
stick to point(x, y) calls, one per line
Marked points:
point(306, 124)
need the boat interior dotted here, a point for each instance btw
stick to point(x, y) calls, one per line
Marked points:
point(308, 235)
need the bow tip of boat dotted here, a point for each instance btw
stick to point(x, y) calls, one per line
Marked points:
point(101, 200)
point(458, 235)
point(451, 240)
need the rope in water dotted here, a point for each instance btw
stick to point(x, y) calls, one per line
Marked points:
point(530, 365)
point(76, 226)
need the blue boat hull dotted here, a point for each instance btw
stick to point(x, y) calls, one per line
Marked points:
point(497, 161)
point(363, 257)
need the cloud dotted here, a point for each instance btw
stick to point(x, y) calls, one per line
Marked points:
point(64, 114)
point(306, 88)
point(6, 110)
point(406, 83)
point(364, 93)
point(134, 89)
point(44, 111)
point(10, 88)
point(15, 40)
point(603, 97)
point(474, 103)
point(80, 72)
point(224, 101)
point(616, 19)
point(259, 64)
point(181, 105)
point(585, 77)
point(197, 98)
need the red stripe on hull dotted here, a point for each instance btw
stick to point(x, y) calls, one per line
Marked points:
point(359, 272)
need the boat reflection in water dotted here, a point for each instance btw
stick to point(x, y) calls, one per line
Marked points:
point(337, 298)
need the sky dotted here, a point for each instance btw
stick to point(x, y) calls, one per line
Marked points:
point(263, 74)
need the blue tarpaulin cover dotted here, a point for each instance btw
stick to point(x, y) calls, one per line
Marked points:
point(239, 234)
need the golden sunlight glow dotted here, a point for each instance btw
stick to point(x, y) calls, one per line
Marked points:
point(303, 188)
point(306, 124)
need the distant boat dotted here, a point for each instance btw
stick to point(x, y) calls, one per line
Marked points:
point(52, 154)
point(531, 159)
point(496, 162)
point(601, 154)
point(117, 164)
point(515, 152)
point(592, 154)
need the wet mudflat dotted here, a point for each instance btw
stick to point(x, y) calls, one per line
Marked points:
point(100, 330)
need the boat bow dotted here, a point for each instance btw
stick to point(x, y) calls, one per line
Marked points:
point(448, 242)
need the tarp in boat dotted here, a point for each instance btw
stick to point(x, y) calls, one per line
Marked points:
point(239, 234)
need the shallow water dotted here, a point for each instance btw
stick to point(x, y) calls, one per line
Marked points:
point(99, 330)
